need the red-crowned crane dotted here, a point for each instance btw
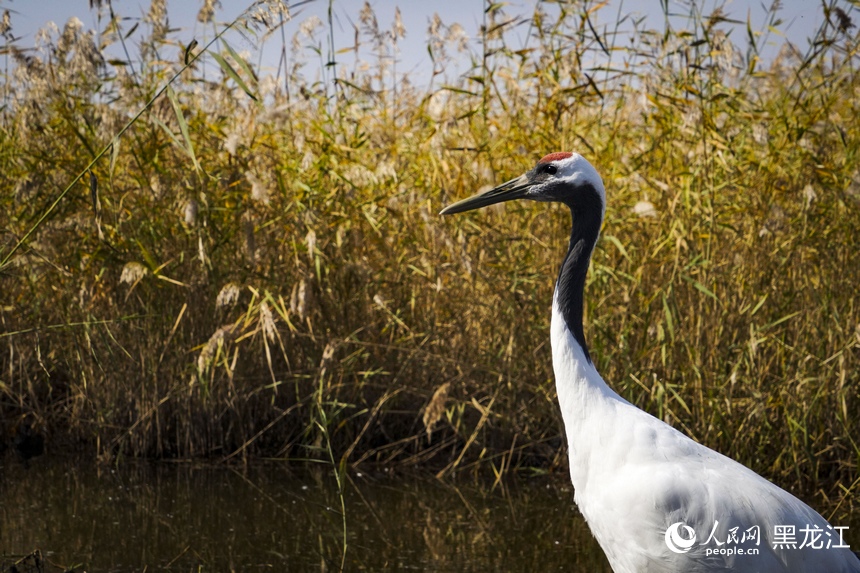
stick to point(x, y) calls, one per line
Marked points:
point(655, 500)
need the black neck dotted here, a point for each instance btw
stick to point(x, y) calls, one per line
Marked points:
point(586, 212)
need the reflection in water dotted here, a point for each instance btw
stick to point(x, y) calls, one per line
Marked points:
point(274, 517)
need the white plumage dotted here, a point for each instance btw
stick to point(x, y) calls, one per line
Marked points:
point(655, 500)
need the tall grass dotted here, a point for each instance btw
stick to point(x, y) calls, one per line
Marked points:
point(245, 277)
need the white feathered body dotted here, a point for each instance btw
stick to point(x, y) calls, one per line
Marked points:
point(634, 476)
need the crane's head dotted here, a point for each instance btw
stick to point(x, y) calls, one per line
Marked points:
point(563, 177)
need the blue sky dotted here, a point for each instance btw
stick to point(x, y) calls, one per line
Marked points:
point(802, 17)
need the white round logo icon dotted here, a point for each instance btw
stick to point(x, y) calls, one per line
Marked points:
point(675, 542)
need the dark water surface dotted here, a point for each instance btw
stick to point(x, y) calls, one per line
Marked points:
point(274, 517)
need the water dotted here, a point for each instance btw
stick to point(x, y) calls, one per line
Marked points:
point(273, 517)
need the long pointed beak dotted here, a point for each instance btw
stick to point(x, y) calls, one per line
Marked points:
point(513, 189)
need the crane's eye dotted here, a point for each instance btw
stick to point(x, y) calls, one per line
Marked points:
point(551, 169)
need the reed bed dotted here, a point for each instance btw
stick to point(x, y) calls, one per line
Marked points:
point(256, 268)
